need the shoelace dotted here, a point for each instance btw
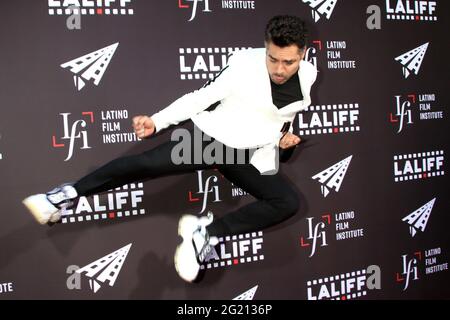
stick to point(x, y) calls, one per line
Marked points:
point(60, 199)
point(56, 198)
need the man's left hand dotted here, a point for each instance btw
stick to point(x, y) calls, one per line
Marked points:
point(289, 140)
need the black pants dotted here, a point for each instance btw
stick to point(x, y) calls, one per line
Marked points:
point(276, 200)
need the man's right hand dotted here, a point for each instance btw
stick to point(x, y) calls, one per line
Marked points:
point(143, 126)
point(289, 140)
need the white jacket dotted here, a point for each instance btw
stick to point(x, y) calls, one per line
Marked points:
point(246, 116)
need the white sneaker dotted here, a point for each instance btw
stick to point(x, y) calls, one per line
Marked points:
point(50, 207)
point(195, 247)
point(41, 209)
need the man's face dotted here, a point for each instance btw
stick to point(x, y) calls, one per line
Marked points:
point(282, 63)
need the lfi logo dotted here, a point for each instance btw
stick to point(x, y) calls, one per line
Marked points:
point(409, 269)
point(195, 3)
point(342, 226)
point(313, 51)
point(316, 232)
point(333, 52)
point(420, 106)
point(423, 263)
point(205, 188)
point(73, 132)
point(403, 114)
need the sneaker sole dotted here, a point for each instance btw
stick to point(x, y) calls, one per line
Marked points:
point(184, 232)
point(32, 204)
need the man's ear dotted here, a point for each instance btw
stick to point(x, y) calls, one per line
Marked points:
point(303, 52)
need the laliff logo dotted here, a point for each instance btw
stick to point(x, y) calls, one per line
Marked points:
point(203, 63)
point(332, 177)
point(343, 223)
point(334, 55)
point(101, 271)
point(345, 286)
point(406, 107)
point(92, 66)
point(321, 8)
point(247, 295)
point(412, 60)
point(407, 10)
point(422, 165)
point(207, 188)
point(73, 132)
point(182, 4)
point(413, 264)
point(418, 219)
point(87, 7)
point(123, 202)
point(234, 250)
point(316, 231)
point(329, 119)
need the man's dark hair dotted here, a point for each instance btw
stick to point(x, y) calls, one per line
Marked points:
point(285, 30)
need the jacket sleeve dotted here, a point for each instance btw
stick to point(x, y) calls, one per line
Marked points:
point(195, 102)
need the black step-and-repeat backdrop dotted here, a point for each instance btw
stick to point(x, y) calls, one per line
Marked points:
point(371, 172)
